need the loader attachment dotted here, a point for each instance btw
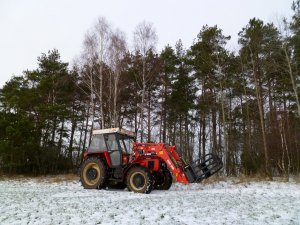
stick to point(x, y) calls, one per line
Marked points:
point(203, 168)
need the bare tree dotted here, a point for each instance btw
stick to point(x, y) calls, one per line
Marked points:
point(145, 39)
point(103, 34)
point(88, 58)
point(117, 50)
point(94, 57)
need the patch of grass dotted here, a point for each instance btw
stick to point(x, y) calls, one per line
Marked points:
point(215, 179)
point(247, 179)
point(49, 178)
point(12, 177)
point(297, 179)
point(58, 178)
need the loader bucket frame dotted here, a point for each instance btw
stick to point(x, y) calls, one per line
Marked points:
point(203, 168)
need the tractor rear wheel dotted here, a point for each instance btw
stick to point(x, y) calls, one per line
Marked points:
point(92, 173)
point(163, 181)
point(139, 180)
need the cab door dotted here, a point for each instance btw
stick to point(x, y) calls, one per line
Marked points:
point(113, 146)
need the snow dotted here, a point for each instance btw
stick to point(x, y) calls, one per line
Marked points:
point(36, 201)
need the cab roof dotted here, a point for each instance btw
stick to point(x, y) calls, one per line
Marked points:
point(114, 130)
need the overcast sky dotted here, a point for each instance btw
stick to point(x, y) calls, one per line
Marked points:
point(31, 27)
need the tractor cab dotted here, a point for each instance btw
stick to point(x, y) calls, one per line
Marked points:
point(114, 144)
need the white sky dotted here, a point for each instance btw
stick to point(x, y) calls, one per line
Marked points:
point(31, 27)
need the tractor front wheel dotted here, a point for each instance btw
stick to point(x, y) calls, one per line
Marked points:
point(92, 173)
point(139, 180)
point(163, 180)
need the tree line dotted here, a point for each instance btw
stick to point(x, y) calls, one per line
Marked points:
point(243, 106)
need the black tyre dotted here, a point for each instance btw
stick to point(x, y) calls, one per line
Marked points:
point(163, 180)
point(139, 180)
point(92, 173)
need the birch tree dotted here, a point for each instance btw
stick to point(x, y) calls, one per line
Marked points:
point(88, 75)
point(145, 39)
point(103, 36)
point(94, 59)
point(117, 50)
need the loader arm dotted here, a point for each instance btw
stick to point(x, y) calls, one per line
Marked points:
point(174, 163)
point(165, 154)
point(194, 172)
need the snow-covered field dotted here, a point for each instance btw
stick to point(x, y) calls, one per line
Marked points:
point(36, 201)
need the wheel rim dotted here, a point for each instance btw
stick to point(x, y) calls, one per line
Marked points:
point(138, 181)
point(91, 174)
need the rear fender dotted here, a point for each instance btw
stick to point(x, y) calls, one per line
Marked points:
point(102, 155)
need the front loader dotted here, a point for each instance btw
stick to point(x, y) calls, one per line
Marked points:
point(115, 160)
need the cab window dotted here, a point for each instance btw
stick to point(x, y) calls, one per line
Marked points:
point(112, 142)
point(97, 144)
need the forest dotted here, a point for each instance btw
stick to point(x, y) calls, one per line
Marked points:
point(242, 105)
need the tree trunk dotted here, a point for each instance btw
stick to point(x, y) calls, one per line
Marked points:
point(214, 125)
point(86, 127)
point(203, 135)
point(53, 131)
point(116, 81)
point(164, 111)
point(180, 136)
point(80, 147)
point(143, 99)
point(258, 91)
point(292, 80)
point(92, 125)
point(149, 116)
point(70, 148)
point(102, 125)
point(226, 152)
point(199, 139)
point(59, 146)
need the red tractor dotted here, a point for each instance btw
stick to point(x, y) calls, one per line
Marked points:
point(115, 160)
